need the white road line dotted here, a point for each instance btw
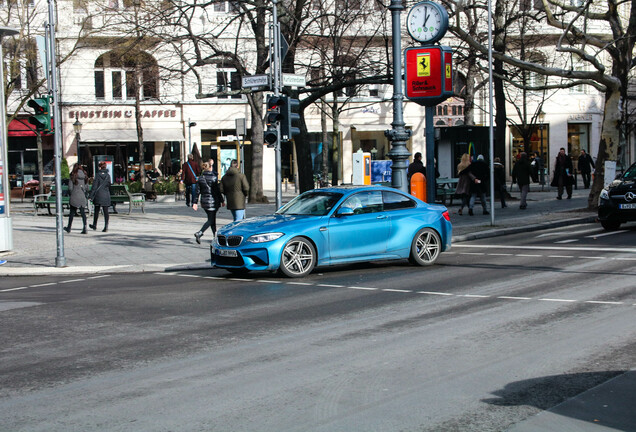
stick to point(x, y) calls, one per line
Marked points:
point(98, 277)
point(363, 288)
point(625, 259)
point(472, 253)
point(474, 296)
point(267, 281)
point(596, 258)
point(560, 256)
point(501, 254)
point(330, 286)
point(553, 233)
point(189, 275)
point(606, 234)
point(396, 290)
point(13, 289)
point(435, 293)
point(514, 298)
point(604, 302)
point(239, 279)
point(292, 283)
point(557, 300)
point(528, 255)
point(71, 281)
point(212, 277)
point(44, 284)
point(569, 248)
point(567, 241)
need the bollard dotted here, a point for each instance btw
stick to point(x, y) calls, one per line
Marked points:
point(418, 186)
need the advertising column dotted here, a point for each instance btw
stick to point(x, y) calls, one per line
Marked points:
point(6, 228)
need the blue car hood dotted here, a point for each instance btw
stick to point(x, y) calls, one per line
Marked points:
point(263, 224)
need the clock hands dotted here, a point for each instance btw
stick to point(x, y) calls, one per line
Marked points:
point(425, 18)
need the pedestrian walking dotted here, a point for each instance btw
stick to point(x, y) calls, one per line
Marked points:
point(465, 178)
point(415, 167)
point(500, 181)
point(480, 170)
point(236, 188)
point(100, 195)
point(77, 186)
point(537, 168)
point(521, 174)
point(211, 199)
point(563, 177)
point(189, 174)
point(586, 164)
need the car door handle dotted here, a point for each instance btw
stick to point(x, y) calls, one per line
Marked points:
point(381, 217)
point(323, 228)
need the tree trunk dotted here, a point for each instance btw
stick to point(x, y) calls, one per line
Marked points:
point(608, 147)
point(256, 179)
point(325, 140)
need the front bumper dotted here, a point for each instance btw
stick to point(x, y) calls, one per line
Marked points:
point(249, 257)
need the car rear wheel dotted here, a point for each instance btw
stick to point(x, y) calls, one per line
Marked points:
point(426, 247)
point(299, 258)
point(611, 224)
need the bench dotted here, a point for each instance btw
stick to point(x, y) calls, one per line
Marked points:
point(119, 193)
point(446, 188)
point(45, 200)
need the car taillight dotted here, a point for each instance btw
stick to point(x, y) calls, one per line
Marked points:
point(446, 215)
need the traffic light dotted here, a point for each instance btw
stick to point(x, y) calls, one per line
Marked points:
point(42, 117)
point(272, 118)
point(289, 119)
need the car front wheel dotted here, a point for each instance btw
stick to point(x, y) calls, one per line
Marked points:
point(426, 247)
point(299, 258)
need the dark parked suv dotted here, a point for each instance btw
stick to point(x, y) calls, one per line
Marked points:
point(617, 203)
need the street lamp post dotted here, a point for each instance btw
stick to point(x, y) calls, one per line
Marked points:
point(77, 127)
point(190, 125)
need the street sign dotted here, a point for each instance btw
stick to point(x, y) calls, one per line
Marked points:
point(255, 81)
point(428, 74)
point(294, 80)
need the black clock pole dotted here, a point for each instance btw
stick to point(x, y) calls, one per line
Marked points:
point(398, 135)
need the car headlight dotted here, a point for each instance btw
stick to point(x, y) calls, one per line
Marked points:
point(261, 238)
point(605, 194)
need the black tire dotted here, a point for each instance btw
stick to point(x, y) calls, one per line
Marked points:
point(426, 247)
point(611, 224)
point(298, 258)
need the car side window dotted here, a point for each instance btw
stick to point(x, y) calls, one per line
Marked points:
point(365, 202)
point(396, 201)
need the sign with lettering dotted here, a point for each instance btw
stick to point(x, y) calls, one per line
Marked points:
point(428, 74)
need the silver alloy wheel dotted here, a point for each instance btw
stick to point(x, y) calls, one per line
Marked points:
point(426, 247)
point(299, 258)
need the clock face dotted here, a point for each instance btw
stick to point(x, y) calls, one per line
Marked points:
point(427, 22)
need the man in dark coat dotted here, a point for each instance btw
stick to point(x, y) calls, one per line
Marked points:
point(500, 181)
point(563, 174)
point(415, 167)
point(586, 163)
point(521, 173)
point(235, 187)
point(100, 195)
point(190, 172)
point(480, 170)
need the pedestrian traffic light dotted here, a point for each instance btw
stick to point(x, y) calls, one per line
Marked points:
point(290, 119)
point(42, 117)
point(273, 118)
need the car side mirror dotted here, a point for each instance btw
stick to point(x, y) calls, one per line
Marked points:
point(344, 211)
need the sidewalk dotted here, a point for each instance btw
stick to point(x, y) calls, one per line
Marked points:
point(162, 239)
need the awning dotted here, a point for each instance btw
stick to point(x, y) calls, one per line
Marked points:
point(20, 128)
point(130, 135)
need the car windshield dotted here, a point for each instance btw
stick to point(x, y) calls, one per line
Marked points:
point(630, 174)
point(312, 203)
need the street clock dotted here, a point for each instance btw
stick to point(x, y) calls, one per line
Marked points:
point(427, 22)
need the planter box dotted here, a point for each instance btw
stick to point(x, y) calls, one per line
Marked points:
point(165, 198)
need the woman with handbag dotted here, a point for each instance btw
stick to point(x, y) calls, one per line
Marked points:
point(100, 195)
point(563, 174)
point(211, 198)
point(77, 187)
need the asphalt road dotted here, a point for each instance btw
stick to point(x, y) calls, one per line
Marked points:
point(498, 331)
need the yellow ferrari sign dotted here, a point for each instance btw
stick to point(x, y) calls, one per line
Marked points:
point(423, 65)
point(448, 71)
